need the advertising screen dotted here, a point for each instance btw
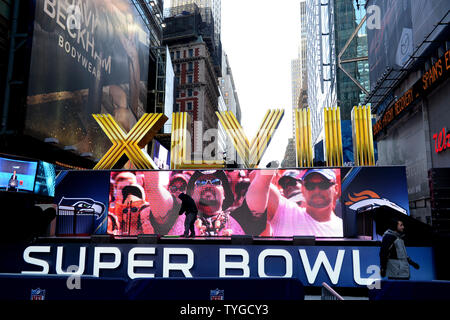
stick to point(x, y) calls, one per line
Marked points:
point(87, 57)
point(17, 175)
point(403, 27)
point(274, 203)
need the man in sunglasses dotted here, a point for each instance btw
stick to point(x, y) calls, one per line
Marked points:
point(213, 197)
point(291, 183)
point(286, 217)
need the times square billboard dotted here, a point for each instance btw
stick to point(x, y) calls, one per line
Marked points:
point(399, 28)
point(87, 57)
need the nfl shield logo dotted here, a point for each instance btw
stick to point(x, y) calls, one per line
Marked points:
point(37, 294)
point(217, 294)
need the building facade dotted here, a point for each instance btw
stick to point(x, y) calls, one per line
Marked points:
point(409, 70)
point(338, 69)
point(229, 96)
point(205, 7)
point(196, 75)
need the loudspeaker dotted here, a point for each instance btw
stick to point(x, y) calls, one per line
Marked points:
point(148, 238)
point(102, 238)
point(304, 240)
point(241, 239)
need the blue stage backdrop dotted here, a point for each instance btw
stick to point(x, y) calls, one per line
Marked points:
point(340, 266)
point(82, 199)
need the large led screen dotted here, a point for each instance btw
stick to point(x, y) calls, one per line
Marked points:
point(17, 175)
point(88, 57)
point(323, 202)
point(277, 203)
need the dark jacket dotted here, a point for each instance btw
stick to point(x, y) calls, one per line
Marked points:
point(187, 205)
point(394, 261)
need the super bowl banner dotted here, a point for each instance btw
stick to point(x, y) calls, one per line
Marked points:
point(342, 266)
point(88, 57)
point(261, 202)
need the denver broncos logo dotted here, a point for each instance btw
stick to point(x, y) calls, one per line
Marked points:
point(369, 198)
point(363, 195)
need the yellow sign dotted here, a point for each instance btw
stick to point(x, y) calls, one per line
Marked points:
point(303, 137)
point(363, 148)
point(333, 137)
point(251, 152)
point(129, 144)
point(180, 151)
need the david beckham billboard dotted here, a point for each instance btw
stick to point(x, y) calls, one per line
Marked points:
point(87, 57)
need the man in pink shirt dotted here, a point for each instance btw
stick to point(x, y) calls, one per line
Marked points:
point(287, 217)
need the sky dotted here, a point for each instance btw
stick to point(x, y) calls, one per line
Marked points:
point(261, 37)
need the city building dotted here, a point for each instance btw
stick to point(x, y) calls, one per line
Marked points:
point(230, 99)
point(338, 73)
point(191, 46)
point(299, 82)
point(205, 7)
point(290, 155)
point(211, 13)
point(409, 69)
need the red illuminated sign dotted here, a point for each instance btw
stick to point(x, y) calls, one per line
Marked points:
point(441, 140)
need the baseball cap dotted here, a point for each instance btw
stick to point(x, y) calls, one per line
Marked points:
point(326, 173)
point(229, 197)
point(179, 176)
point(289, 174)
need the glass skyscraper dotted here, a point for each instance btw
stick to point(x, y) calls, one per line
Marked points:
point(338, 68)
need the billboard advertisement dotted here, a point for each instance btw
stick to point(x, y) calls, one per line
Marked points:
point(87, 57)
point(403, 27)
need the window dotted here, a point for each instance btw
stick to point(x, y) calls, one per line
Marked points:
point(189, 106)
point(189, 79)
point(178, 67)
point(191, 53)
point(190, 66)
point(177, 79)
point(189, 92)
point(177, 107)
point(178, 55)
point(172, 55)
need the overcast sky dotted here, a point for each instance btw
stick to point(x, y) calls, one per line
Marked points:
point(261, 37)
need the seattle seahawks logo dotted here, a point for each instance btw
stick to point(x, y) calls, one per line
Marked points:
point(81, 206)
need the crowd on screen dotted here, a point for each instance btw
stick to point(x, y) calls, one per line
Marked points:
point(269, 202)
